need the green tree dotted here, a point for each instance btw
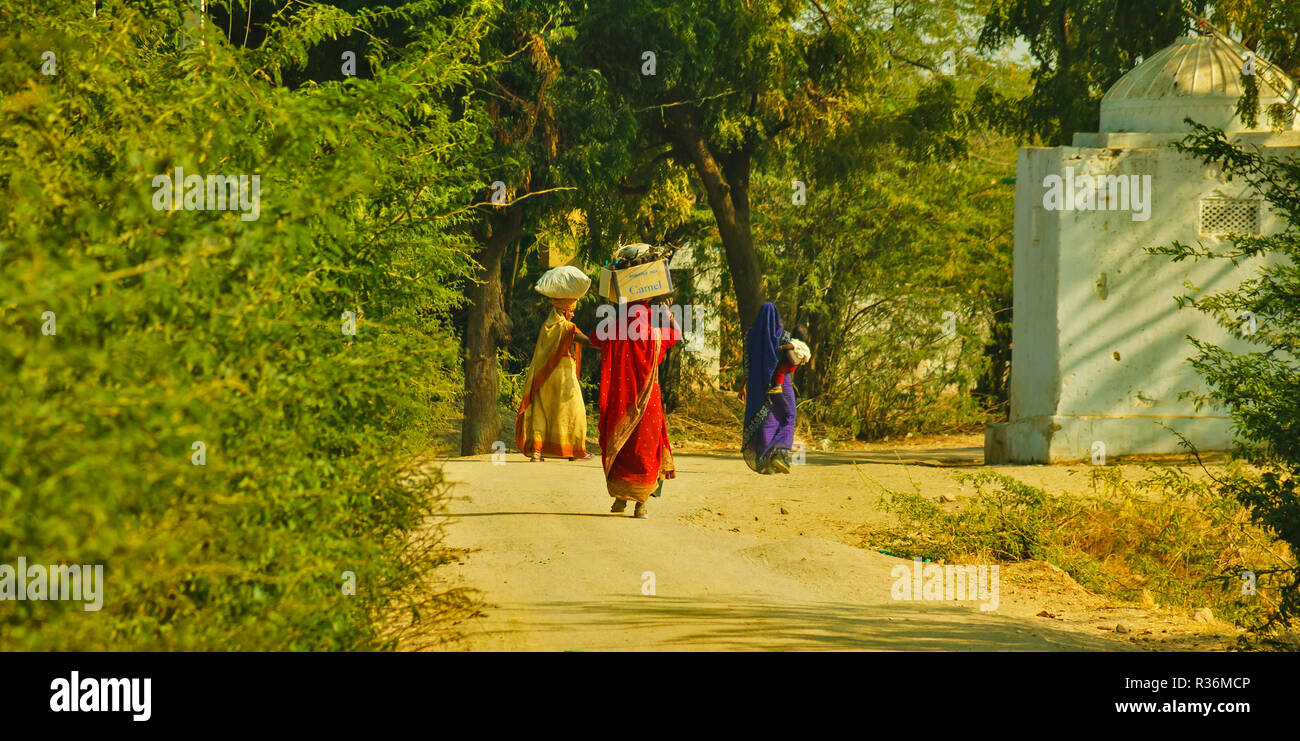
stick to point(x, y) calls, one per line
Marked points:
point(1080, 48)
point(715, 86)
point(899, 275)
point(1260, 389)
point(558, 144)
point(186, 402)
point(1265, 27)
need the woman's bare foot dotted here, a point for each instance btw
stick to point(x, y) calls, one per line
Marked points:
point(620, 506)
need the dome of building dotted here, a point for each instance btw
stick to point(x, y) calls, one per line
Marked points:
point(1197, 77)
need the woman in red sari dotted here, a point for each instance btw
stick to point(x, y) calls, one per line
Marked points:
point(634, 445)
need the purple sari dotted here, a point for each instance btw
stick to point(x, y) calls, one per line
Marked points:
point(769, 418)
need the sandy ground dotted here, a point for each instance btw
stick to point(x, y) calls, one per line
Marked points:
point(730, 560)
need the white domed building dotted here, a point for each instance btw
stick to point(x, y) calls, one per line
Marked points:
point(1100, 351)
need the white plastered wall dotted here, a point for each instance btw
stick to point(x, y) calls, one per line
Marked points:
point(1100, 349)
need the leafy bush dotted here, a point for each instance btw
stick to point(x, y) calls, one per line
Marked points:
point(176, 327)
point(1260, 389)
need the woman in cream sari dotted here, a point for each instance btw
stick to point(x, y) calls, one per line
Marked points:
point(552, 419)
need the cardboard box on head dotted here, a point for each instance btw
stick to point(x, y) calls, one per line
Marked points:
point(637, 283)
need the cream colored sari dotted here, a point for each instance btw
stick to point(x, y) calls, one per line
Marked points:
point(552, 419)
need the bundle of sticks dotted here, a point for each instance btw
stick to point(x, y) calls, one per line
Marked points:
point(641, 253)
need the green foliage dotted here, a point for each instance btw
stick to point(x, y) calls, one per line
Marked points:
point(194, 325)
point(1266, 26)
point(558, 134)
point(855, 100)
point(814, 72)
point(1259, 389)
point(1081, 48)
point(898, 274)
point(1177, 537)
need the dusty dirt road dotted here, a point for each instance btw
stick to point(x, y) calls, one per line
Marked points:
point(719, 566)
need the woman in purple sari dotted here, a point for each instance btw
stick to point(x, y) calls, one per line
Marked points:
point(769, 417)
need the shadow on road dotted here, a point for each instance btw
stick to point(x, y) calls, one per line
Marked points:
point(749, 623)
point(938, 457)
point(457, 515)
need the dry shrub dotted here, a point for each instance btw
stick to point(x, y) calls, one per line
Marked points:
point(1167, 532)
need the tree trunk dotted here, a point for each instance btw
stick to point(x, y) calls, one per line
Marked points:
point(728, 194)
point(993, 387)
point(487, 329)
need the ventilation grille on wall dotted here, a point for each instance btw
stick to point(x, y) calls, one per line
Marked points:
point(1223, 216)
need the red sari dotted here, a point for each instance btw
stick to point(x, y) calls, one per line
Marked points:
point(634, 445)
